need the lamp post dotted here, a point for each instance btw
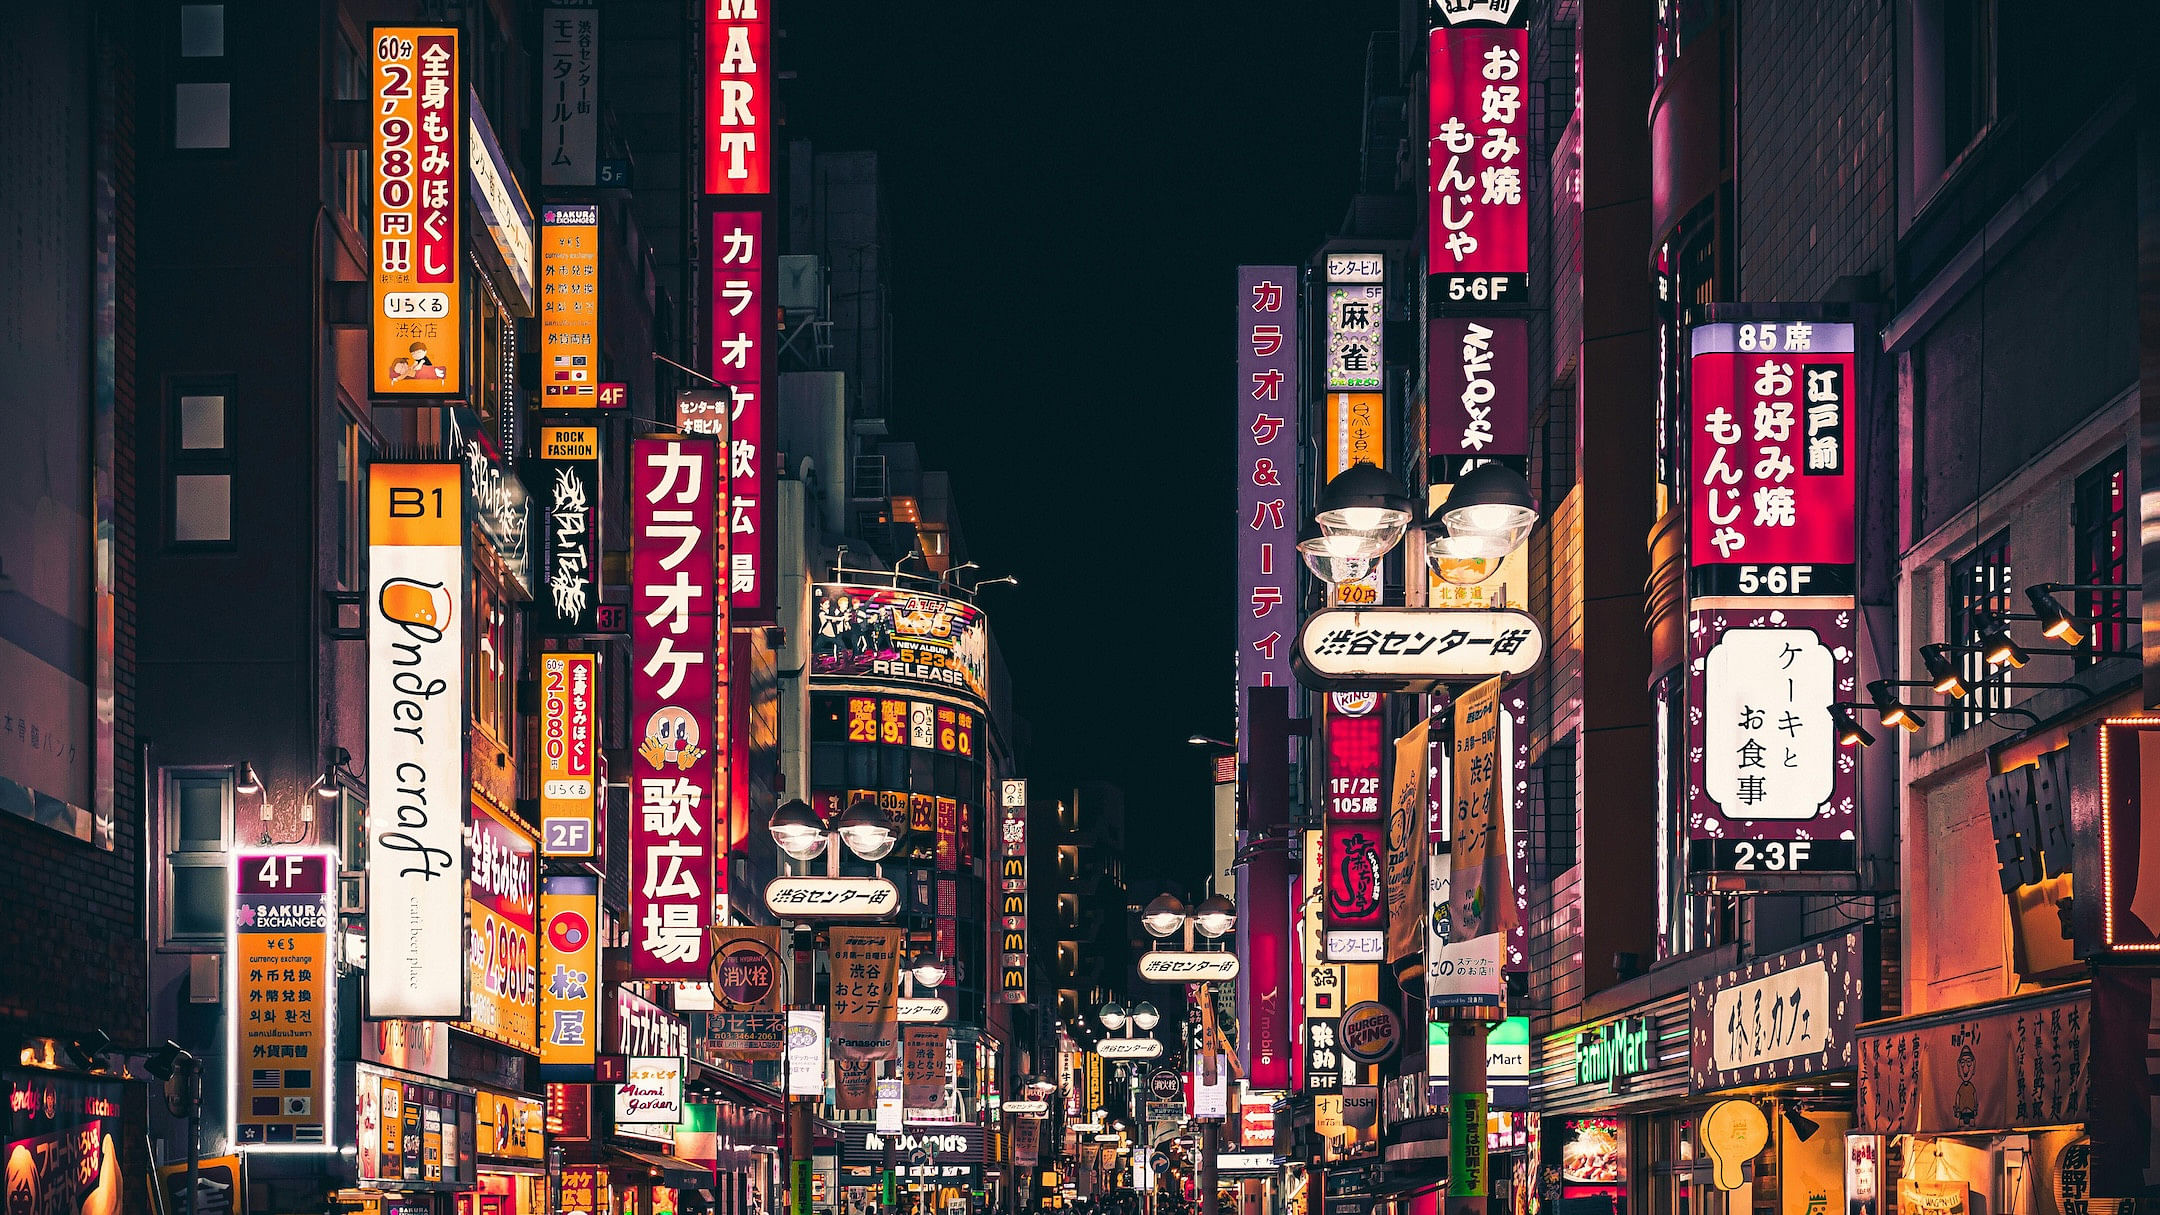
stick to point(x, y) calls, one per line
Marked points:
point(868, 833)
point(1166, 916)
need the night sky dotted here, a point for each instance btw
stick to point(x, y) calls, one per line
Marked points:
point(1070, 189)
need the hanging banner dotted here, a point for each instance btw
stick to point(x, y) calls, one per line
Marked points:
point(569, 96)
point(1407, 818)
point(570, 307)
point(806, 1052)
point(569, 601)
point(1477, 167)
point(1769, 790)
point(569, 781)
point(1474, 826)
point(865, 983)
point(854, 1082)
point(569, 970)
point(1267, 558)
point(282, 972)
point(502, 914)
point(923, 1067)
point(749, 984)
point(415, 331)
point(738, 98)
point(674, 703)
point(416, 728)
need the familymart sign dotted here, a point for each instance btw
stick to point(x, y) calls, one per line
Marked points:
point(1612, 1052)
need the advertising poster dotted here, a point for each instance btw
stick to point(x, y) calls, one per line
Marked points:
point(806, 1052)
point(569, 781)
point(749, 983)
point(283, 975)
point(416, 728)
point(674, 704)
point(899, 636)
point(1267, 438)
point(1474, 849)
point(414, 1135)
point(417, 153)
point(61, 1154)
point(1408, 816)
point(569, 970)
point(570, 307)
point(502, 910)
point(865, 991)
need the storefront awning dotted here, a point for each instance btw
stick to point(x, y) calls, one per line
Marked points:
point(673, 1171)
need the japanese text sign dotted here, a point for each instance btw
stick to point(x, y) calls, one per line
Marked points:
point(1769, 789)
point(417, 729)
point(1353, 431)
point(569, 970)
point(283, 1003)
point(1476, 843)
point(1355, 882)
point(738, 98)
point(569, 602)
point(569, 782)
point(1771, 453)
point(1477, 375)
point(1408, 817)
point(864, 1000)
point(570, 307)
point(1781, 1017)
point(1477, 202)
point(1356, 313)
point(569, 96)
point(1353, 757)
point(417, 144)
point(738, 356)
point(674, 703)
point(923, 1067)
point(1412, 649)
point(1267, 438)
point(501, 910)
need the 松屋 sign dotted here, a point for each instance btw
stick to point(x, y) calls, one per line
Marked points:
point(415, 328)
point(1411, 649)
point(416, 732)
point(1611, 1052)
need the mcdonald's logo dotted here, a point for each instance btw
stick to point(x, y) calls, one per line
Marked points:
point(1015, 942)
point(1015, 867)
point(1015, 904)
point(1015, 980)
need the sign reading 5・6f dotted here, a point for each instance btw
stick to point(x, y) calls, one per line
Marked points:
point(415, 328)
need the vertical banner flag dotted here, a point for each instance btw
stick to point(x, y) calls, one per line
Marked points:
point(569, 96)
point(1267, 361)
point(281, 973)
point(865, 991)
point(739, 356)
point(569, 971)
point(1012, 853)
point(1477, 200)
point(1407, 818)
point(415, 334)
point(569, 780)
point(738, 98)
point(806, 1052)
point(674, 703)
point(923, 1068)
point(568, 605)
point(1475, 823)
point(570, 306)
point(416, 729)
point(854, 1081)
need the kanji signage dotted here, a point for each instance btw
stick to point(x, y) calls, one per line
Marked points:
point(569, 96)
point(1476, 839)
point(865, 989)
point(1477, 200)
point(737, 356)
point(674, 703)
point(1771, 444)
point(417, 726)
point(1267, 438)
point(569, 780)
point(281, 976)
point(415, 330)
point(749, 982)
point(1413, 649)
point(738, 97)
point(1323, 1059)
point(569, 970)
point(1783, 1017)
point(1771, 793)
point(641, 1027)
point(923, 1065)
point(1353, 431)
point(570, 307)
point(1012, 892)
point(1477, 375)
point(569, 602)
point(1356, 314)
point(501, 908)
point(1355, 882)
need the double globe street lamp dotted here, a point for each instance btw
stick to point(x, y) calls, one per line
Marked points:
point(1364, 512)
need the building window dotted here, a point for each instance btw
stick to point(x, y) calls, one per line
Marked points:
point(198, 834)
point(1949, 88)
point(1979, 595)
point(494, 660)
point(2100, 544)
point(351, 495)
point(1968, 72)
point(1556, 809)
point(202, 115)
point(202, 31)
point(200, 456)
point(349, 164)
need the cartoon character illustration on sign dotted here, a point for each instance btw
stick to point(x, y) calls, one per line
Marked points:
point(1358, 893)
point(671, 737)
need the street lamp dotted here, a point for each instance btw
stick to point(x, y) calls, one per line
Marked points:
point(1145, 1016)
point(929, 972)
point(1112, 1015)
point(1365, 507)
point(1488, 513)
point(1337, 558)
point(867, 830)
point(795, 827)
point(1215, 916)
point(1164, 916)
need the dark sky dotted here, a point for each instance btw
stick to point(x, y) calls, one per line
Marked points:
point(1070, 189)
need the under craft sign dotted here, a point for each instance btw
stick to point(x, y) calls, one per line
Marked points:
point(1411, 649)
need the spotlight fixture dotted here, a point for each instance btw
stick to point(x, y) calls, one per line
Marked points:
point(2055, 622)
point(1893, 711)
point(2000, 649)
point(1850, 732)
point(1942, 667)
point(249, 783)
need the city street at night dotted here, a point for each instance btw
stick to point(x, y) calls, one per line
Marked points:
point(808, 607)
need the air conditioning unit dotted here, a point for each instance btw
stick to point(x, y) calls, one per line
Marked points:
point(802, 282)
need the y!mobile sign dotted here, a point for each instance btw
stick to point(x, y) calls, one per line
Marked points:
point(674, 702)
point(1267, 476)
point(416, 740)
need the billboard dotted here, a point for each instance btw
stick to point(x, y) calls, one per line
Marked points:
point(416, 731)
point(282, 971)
point(502, 913)
point(1267, 437)
point(1478, 167)
point(676, 653)
point(738, 97)
point(899, 636)
point(416, 327)
point(569, 736)
point(1356, 314)
point(569, 970)
point(570, 307)
point(569, 601)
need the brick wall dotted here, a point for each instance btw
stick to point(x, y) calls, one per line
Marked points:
point(1818, 176)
